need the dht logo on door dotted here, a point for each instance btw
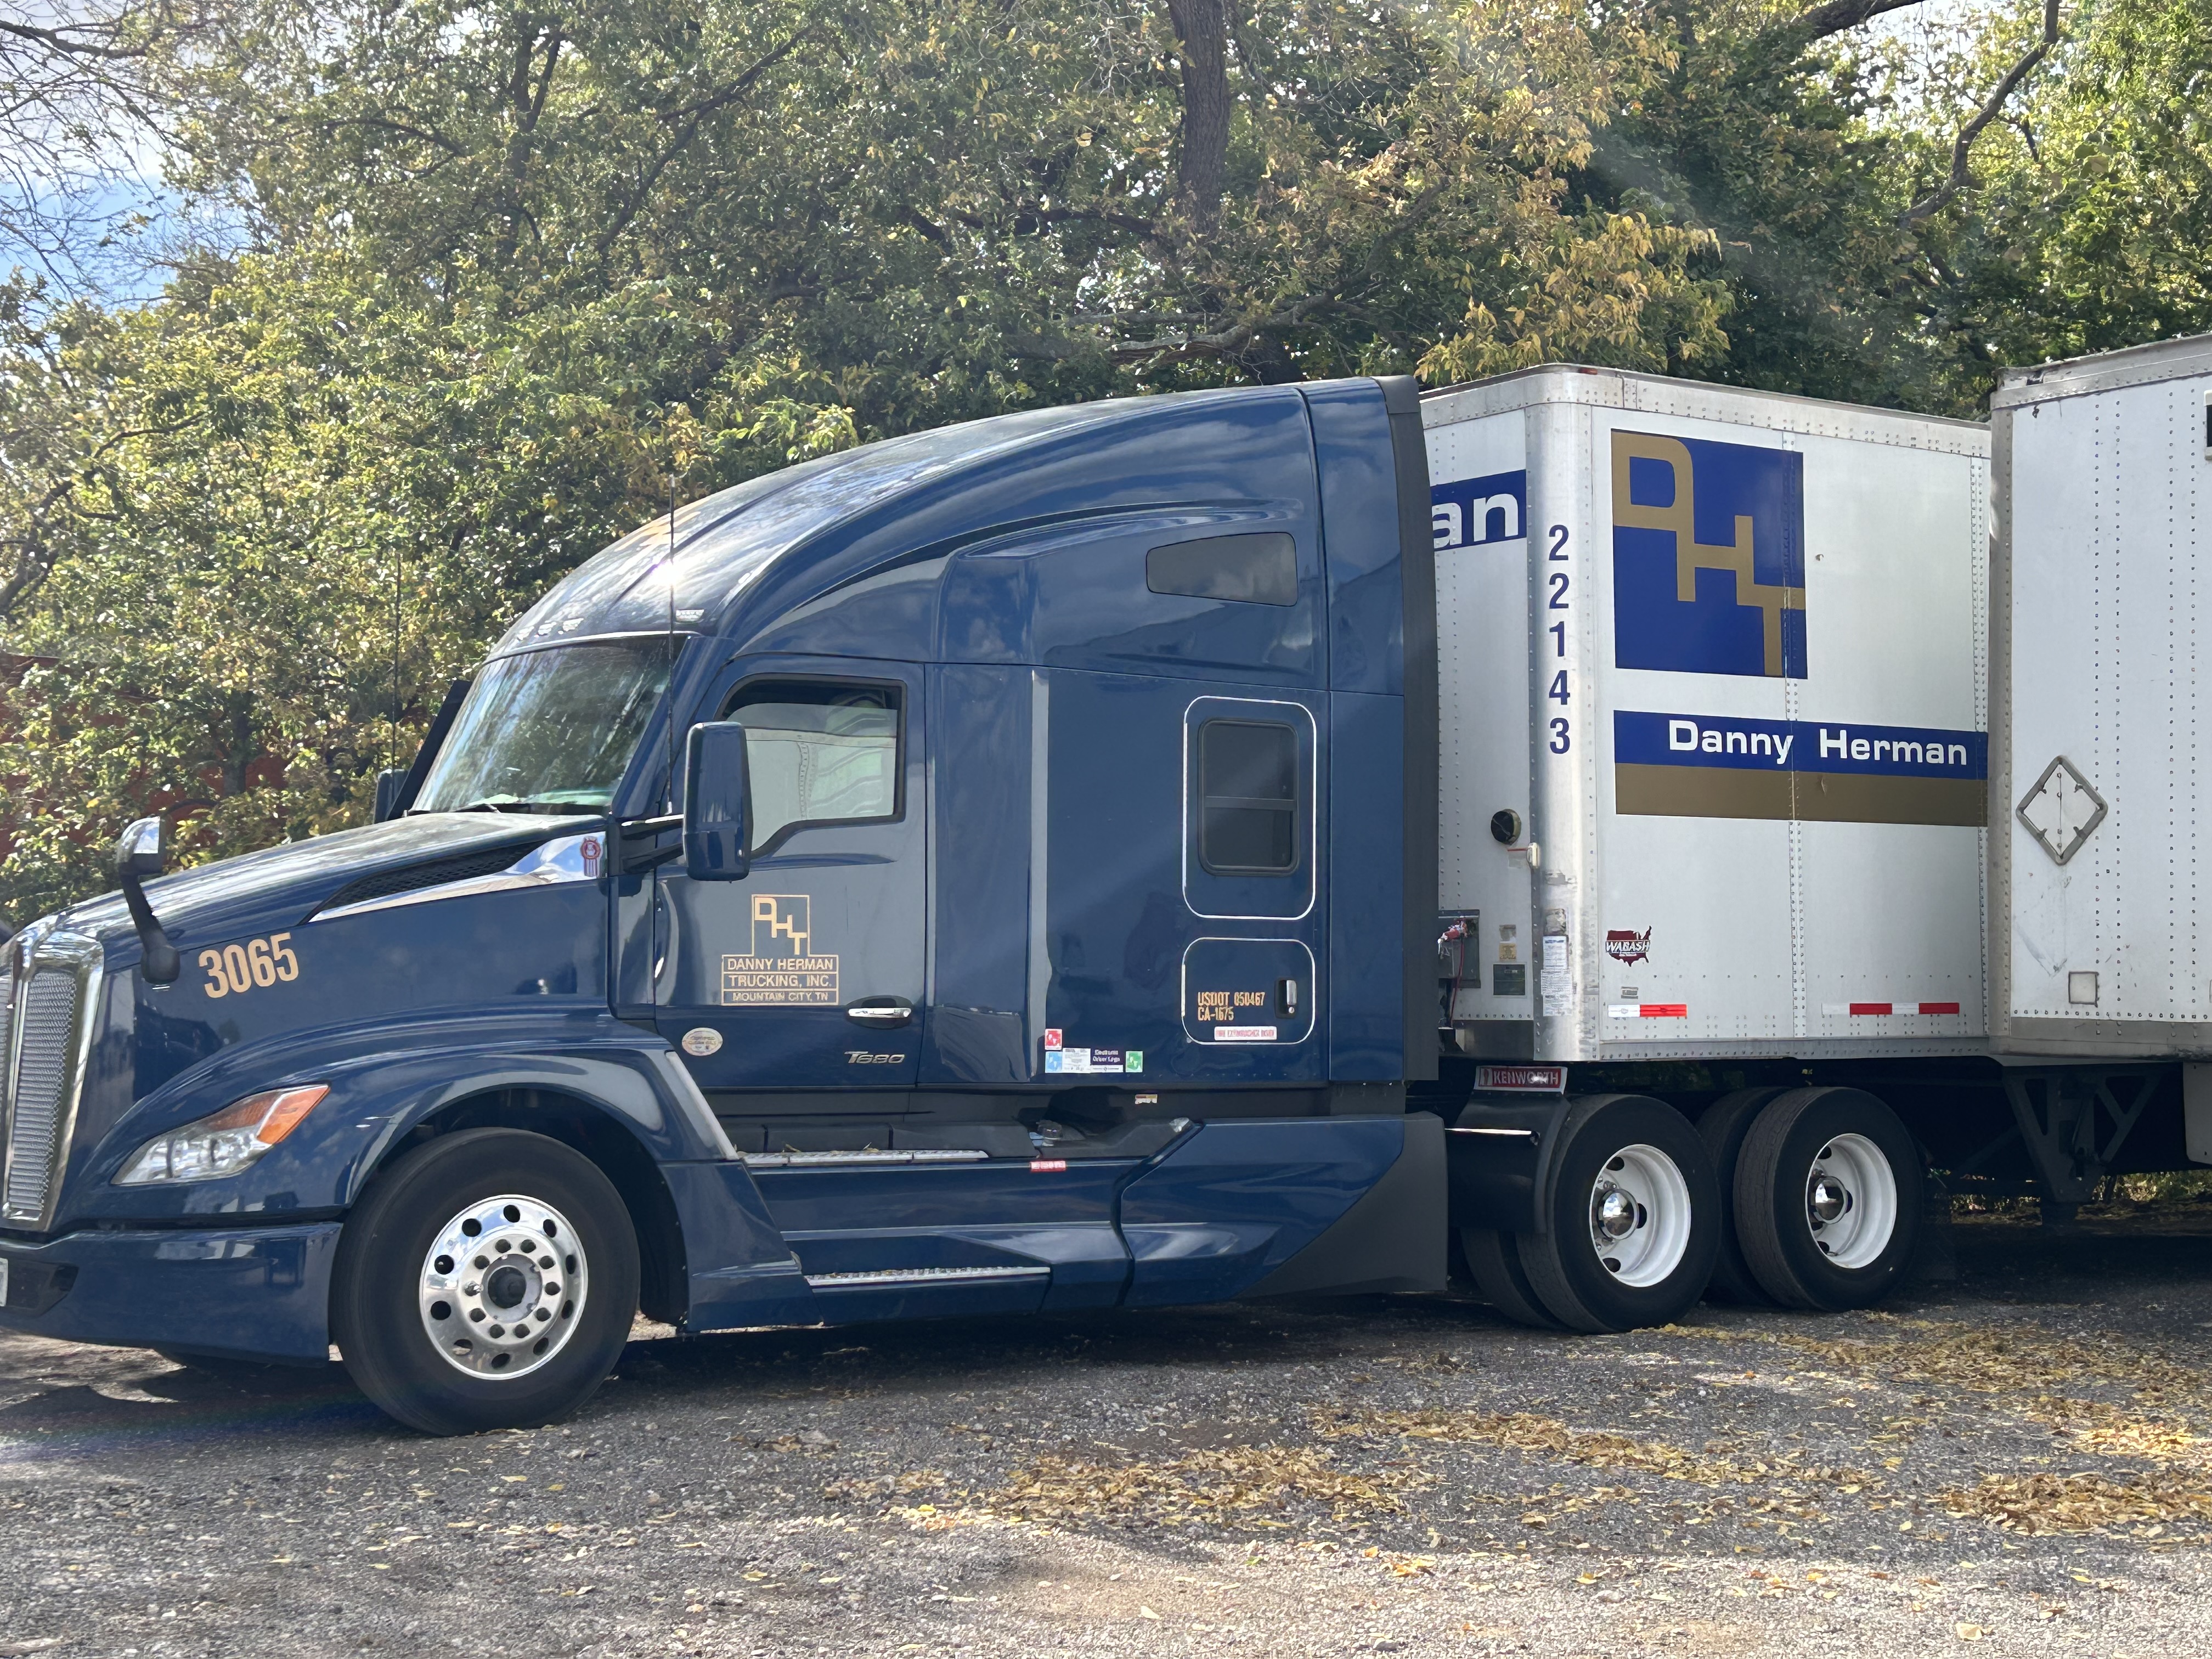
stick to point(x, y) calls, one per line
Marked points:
point(1708, 556)
point(782, 924)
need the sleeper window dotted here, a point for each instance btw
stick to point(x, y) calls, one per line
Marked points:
point(818, 753)
point(1252, 569)
point(1248, 798)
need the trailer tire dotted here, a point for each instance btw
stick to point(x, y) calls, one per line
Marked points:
point(1500, 1279)
point(1634, 1215)
point(405, 1267)
point(1835, 1162)
point(1722, 1126)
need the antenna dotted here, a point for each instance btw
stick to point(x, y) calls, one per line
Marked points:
point(399, 577)
point(668, 804)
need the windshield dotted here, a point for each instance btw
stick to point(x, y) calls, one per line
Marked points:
point(550, 731)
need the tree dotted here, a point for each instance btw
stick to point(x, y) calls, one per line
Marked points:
point(506, 277)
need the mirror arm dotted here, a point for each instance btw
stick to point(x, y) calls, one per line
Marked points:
point(157, 956)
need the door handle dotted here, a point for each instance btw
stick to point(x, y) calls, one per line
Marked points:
point(881, 1011)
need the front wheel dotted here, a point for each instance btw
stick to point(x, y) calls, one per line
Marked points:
point(1635, 1219)
point(487, 1281)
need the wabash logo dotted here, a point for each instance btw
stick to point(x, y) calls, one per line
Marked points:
point(1625, 944)
point(1708, 556)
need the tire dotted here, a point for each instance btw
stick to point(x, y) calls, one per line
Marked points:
point(555, 1245)
point(1499, 1281)
point(1633, 1162)
point(1722, 1126)
point(1846, 1244)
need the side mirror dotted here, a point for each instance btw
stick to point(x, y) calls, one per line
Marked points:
point(717, 788)
point(143, 849)
point(141, 852)
point(388, 784)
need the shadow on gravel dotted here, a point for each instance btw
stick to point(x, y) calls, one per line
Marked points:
point(83, 1398)
point(934, 1356)
point(140, 1406)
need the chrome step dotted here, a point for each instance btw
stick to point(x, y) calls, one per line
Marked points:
point(921, 1276)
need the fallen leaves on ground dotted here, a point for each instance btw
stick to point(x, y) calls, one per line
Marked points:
point(2080, 1503)
point(1598, 1449)
point(1225, 1487)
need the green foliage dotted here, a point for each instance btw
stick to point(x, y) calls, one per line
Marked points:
point(508, 278)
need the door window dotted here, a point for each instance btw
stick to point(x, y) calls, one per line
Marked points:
point(819, 752)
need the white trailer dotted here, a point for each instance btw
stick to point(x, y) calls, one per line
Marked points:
point(1713, 719)
point(2101, 595)
point(1714, 792)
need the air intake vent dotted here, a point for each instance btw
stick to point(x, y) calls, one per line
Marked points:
point(461, 867)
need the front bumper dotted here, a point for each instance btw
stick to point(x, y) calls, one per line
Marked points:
point(249, 1293)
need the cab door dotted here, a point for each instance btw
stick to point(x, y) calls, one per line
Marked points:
point(807, 973)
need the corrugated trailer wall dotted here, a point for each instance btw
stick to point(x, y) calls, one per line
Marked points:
point(1715, 719)
point(2104, 501)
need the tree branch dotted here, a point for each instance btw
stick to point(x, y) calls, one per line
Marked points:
point(688, 121)
point(58, 40)
point(1961, 176)
point(1837, 15)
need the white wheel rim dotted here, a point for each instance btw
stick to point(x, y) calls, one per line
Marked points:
point(1850, 1201)
point(503, 1287)
point(1639, 1216)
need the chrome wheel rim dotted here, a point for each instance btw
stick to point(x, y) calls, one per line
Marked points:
point(1850, 1201)
point(503, 1287)
point(1639, 1216)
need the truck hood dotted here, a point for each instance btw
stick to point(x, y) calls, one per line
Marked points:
point(300, 876)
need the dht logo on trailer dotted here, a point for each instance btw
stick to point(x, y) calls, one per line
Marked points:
point(1708, 556)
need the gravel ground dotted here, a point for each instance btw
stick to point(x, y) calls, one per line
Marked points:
point(2005, 1458)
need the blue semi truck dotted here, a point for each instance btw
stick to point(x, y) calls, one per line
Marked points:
point(986, 871)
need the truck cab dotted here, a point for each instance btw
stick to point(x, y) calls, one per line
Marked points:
point(982, 871)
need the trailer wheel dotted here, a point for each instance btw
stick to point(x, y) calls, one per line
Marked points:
point(1500, 1279)
point(1827, 1199)
point(1635, 1219)
point(1722, 1126)
point(488, 1280)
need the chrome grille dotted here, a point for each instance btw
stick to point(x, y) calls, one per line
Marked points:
point(42, 1080)
point(47, 1043)
point(7, 1013)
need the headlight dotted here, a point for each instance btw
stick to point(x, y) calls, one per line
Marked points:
point(225, 1143)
